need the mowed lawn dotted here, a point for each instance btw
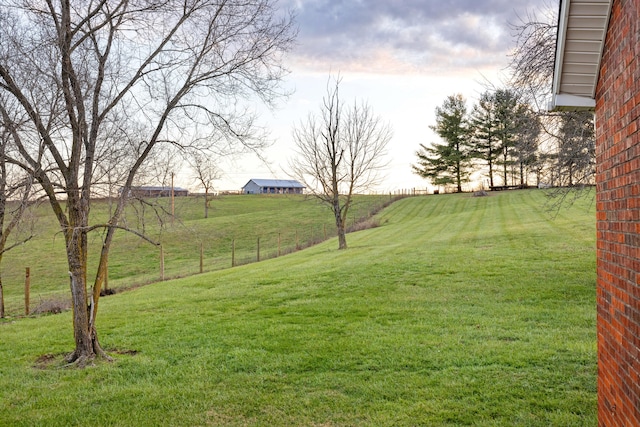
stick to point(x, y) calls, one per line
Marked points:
point(281, 222)
point(456, 311)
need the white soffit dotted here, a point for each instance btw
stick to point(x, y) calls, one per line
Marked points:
point(582, 28)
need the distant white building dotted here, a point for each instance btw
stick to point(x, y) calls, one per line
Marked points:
point(273, 186)
point(151, 191)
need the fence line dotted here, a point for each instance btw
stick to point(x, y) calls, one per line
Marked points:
point(27, 290)
point(242, 251)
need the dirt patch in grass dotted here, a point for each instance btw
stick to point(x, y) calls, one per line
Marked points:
point(107, 292)
point(48, 361)
point(53, 361)
point(122, 351)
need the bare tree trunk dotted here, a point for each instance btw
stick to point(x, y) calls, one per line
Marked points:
point(76, 242)
point(101, 277)
point(87, 346)
point(83, 352)
point(342, 235)
point(206, 202)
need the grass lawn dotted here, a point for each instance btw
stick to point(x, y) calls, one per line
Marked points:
point(456, 311)
point(292, 220)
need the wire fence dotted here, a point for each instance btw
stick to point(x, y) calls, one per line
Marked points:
point(151, 264)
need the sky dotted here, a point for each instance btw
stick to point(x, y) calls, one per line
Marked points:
point(403, 57)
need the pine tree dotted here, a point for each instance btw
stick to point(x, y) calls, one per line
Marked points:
point(506, 102)
point(484, 137)
point(448, 163)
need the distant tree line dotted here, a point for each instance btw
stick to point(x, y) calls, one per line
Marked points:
point(502, 141)
point(508, 138)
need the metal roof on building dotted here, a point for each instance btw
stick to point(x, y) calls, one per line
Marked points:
point(276, 183)
point(582, 28)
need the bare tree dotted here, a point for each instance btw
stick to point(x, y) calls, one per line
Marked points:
point(575, 158)
point(17, 197)
point(532, 66)
point(205, 172)
point(533, 58)
point(172, 71)
point(340, 153)
point(566, 153)
point(161, 168)
point(16, 190)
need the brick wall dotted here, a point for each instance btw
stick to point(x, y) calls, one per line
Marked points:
point(618, 219)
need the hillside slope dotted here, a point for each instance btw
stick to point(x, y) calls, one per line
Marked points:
point(456, 311)
point(280, 222)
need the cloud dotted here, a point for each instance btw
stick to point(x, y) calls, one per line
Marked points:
point(400, 36)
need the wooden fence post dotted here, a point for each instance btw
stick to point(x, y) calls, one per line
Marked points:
point(161, 264)
point(27, 290)
point(1, 300)
point(233, 252)
point(201, 257)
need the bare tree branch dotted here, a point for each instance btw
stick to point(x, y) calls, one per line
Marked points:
point(106, 86)
point(567, 141)
point(341, 151)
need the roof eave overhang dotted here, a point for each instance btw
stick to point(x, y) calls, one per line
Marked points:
point(564, 102)
point(597, 29)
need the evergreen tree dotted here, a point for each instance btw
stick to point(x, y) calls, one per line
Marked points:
point(484, 138)
point(448, 163)
point(507, 120)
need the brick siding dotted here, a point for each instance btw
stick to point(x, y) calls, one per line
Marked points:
point(618, 219)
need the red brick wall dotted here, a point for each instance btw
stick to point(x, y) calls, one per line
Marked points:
point(618, 219)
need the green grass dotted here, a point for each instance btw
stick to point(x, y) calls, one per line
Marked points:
point(456, 311)
point(297, 221)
